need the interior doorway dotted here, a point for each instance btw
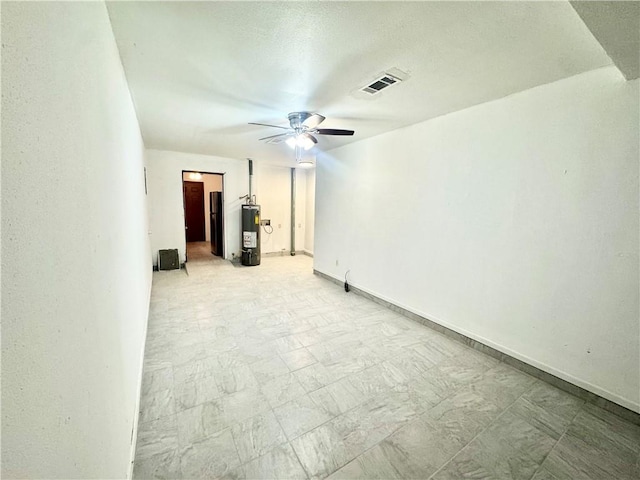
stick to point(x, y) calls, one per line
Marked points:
point(203, 197)
point(194, 211)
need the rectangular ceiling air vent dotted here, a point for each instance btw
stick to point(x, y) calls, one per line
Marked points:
point(380, 83)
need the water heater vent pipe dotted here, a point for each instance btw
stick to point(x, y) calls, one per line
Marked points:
point(293, 211)
point(251, 200)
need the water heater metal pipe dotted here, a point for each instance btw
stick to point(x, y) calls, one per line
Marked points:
point(293, 211)
point(250, 199)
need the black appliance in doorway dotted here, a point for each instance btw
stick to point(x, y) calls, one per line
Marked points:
point(215, 209)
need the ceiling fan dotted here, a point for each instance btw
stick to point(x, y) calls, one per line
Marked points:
point(300, 134)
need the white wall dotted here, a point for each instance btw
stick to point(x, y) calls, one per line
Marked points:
point(273, 190)
point(310, 205)
point(514, 222)
point(166, 209)
point(301, 208)
point(76, 274)
point(211, 183)
point(271, 185)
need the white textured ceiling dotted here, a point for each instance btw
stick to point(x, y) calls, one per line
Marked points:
point(199, 72)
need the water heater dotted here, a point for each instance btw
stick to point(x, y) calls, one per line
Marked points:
point(250, 235)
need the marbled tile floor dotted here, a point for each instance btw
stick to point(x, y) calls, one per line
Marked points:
point(271, 372)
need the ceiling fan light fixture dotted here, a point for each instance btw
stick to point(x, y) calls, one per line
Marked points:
point(302, 140)
point(305, 141)
point(305, 162)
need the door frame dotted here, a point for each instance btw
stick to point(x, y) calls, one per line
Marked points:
point(224, 210)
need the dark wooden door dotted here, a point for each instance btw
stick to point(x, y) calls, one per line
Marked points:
point(194, 211)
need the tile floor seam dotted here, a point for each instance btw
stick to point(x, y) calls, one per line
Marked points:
point(481, 432)
point(312, 428)
point(242, 464)
point(573, 418)
point(288, 367)
point(376, 444)
point(343, 415)
point(292, 448)
point(321, 424)
point(453, 392)
point(541, 466)
point(235, 444)
point(559, 438)
point(371, 448)
point(580, 410)
point(178, 449)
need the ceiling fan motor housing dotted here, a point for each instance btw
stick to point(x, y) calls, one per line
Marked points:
point(296, 119)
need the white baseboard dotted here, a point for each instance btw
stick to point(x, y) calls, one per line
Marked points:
point(136, 415)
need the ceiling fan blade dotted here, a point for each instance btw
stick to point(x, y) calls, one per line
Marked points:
point(276, 141)
point(275, 136)
point(310, 137)
point(334, 131)
point(313, 121)
point(267, 125)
